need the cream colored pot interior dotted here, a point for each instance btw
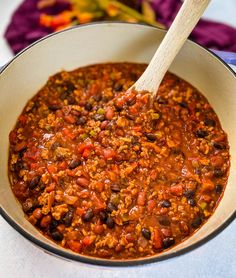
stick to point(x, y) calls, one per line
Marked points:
point(113, 42)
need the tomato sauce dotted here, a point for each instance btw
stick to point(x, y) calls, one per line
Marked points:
point(106, 172)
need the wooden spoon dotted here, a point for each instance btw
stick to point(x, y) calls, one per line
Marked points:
point(174, 39)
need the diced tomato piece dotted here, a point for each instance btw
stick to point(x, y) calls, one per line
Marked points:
point(137, 128)
point(157, 240)
point(88, 240)
point(98, 204)
point(133, 110)
point(83, 146)
point(68, 133)
point(33, 166)
point(83, 194)
point(86, 153)
point(51, 168)
point(70, 119)
point(177, 190)
point(98, 229)
point(74, 245)
point(207, 185)
point(51, 187)
point(71, 173)
point(80, 211)
point(151, 205)
point(62, 165)
point(141, 198)
point(153, 174)
point(116, 169)
point(94, 88)
point(32, 153)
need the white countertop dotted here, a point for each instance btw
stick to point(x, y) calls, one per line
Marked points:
point(19, 258)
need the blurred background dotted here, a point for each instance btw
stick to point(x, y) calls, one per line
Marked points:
point(25, 21)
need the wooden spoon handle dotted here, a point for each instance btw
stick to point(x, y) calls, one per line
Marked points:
point(179, 31)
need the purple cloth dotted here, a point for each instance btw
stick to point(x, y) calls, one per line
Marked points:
point(207, 33)
point(25, 29)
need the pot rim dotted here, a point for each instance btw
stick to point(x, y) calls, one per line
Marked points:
point(99, 261)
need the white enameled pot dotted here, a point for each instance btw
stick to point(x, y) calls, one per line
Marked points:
point(112, 42)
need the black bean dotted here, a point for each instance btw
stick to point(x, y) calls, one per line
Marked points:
point(53, 225)
point(67, 219)
point(64, 95)
point(54, 107)
point(70, 87)
point(218, 188)
point(209, 122)
point(110, 222)
point(81, 121)
point(189, 193)
point(146, 233)
point(164, 220)
point(134, 140)
point(97, 97)
point(218, 173)
point(130, 117)
point(219, 146)
point(73, 164)
point(34, 182)
point(118, 87)
point(71, 100)
point(88, 106)
point(200, 133)
point(118, 107)
point(103, 216)
point(169, 241)
point(161, 100)
point(88, 215)
point(115, 187)
point(55, 145)
point(197, 221)
point(57, 236)
point(151, 137)
point(165, 203)
point(192, 202)
point(28, 205)
point(99, 117)
point(22, 151)
point(131, 101)
point(183, 104)
point(198, 171)
point(111, 207)
point(18, 166)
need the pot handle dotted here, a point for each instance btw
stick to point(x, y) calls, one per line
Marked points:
point(228, 57)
